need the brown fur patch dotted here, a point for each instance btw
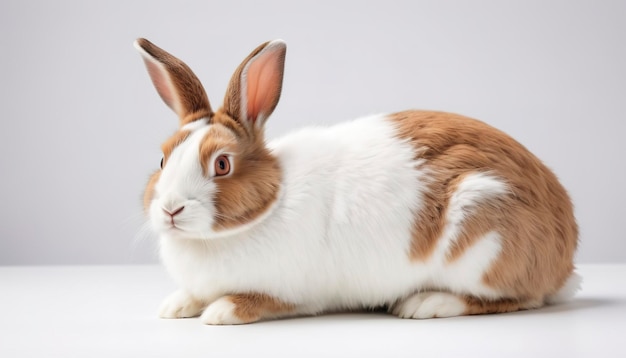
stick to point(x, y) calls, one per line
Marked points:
point(536, 221)
point(254, 182)
point(476, 306)
point(430, 221)
point(222, 118)
point(251, 307)
point(249, 190)
point(172, 142)
point(194, 116)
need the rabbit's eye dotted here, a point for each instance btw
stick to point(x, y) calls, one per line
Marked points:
point(222, 165)
point(161, 163)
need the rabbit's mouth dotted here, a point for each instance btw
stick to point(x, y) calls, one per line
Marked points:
point(174, 228)
point(178, 233)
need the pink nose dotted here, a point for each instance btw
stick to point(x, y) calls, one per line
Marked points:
point(174, 212)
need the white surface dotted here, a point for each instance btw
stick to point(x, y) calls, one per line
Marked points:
point(110, 311)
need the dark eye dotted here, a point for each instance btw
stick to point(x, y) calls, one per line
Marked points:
point(222, 165)
point(161, 163)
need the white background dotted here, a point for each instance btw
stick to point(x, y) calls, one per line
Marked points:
point(81, 125)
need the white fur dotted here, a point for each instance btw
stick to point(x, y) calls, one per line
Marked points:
point(194, 125)
point(221, 311)
point(180, 305)
point(465, 274)
point(474, 189)
point(339, 235)
point(430, 305)
point(182, 183)
point(572, 285)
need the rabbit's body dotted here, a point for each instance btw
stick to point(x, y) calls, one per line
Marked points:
point(357, 254)
point(428, 213)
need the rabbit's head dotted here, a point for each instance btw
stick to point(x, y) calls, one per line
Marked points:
point(217, 177)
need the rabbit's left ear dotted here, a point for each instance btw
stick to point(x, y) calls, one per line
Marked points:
point(255, 87)
point(177, 85)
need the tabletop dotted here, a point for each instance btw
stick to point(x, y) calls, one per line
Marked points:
point(110, 311)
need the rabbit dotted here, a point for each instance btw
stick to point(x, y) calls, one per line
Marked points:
point(423, 214)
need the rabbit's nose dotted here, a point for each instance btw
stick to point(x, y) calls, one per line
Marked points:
point(174, 212)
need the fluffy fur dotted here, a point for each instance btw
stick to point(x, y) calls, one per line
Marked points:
point(429, 214)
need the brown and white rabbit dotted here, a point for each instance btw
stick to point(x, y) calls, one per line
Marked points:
point(429, 214)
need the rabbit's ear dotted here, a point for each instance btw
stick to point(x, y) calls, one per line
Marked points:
point(177, 85)
point(254, 89)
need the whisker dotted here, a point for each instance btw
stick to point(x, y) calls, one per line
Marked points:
point(143, 237)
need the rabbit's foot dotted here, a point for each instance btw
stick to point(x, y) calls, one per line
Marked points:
point(245, 308)
point(180, 304)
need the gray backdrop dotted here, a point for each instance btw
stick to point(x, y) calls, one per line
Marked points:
point(81, 125)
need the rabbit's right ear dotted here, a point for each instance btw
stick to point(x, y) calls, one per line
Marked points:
point(177, 85)
point(254, 89)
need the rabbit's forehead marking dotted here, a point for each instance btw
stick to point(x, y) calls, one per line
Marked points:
point(173, 142)
point(197, 124)
point(180, 137)
point(183, 154)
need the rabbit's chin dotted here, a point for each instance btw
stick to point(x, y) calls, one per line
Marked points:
point(175, 232)
point(178, 234)
point(207, 234)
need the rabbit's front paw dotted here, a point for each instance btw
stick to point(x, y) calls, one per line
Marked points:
point(221, 311)
point(180, 305)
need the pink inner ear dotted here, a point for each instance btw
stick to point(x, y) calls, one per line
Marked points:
point(161, 82)
point(263, 85)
